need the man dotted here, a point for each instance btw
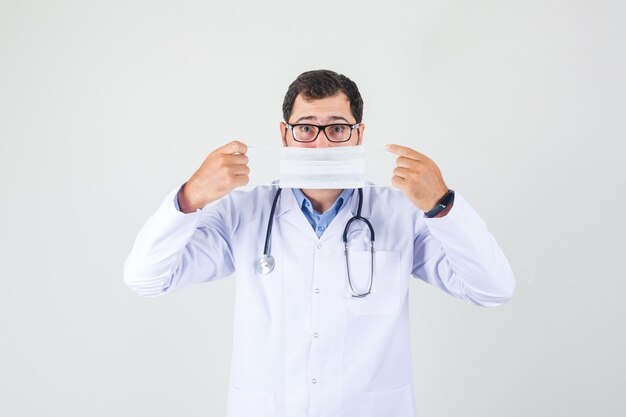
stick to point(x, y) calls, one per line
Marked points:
point(304, 344)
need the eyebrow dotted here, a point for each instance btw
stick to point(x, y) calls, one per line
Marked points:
point(332, 118)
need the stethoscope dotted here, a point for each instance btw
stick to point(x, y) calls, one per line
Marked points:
point(266, 262)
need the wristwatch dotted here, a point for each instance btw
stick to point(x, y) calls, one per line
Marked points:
point(444, 202)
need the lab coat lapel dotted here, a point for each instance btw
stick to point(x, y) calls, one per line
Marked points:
point(291, 214)
point(348, 210)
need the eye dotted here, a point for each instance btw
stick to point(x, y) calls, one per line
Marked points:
point(305, 128)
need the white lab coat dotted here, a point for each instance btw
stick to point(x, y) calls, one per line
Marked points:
point(302, 345)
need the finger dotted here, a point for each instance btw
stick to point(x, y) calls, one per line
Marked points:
point(240, 180)
point(398, 182)
point(238, 170)
point(235, 159)
point(405, 162)
point(234, 147)
point(405, 151)
point(403, 173)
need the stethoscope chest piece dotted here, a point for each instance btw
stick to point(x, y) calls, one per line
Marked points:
point(265, 264)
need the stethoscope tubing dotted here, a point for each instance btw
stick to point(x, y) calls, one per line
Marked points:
point(270, 223)
point(265, 263)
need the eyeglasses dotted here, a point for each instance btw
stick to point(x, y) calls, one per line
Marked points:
point(334, 133)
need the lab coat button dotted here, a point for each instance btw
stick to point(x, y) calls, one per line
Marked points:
point(319, 246)
point(315, 335)
point(314, 381)
point(317, 291)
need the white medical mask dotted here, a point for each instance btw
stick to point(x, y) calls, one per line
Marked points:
point(322, 168)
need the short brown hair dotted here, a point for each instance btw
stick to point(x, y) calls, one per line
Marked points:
point(320, 84)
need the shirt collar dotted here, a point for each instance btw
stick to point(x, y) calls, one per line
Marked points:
point(305, 204)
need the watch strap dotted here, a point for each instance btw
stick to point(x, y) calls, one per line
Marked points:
point(443, 202)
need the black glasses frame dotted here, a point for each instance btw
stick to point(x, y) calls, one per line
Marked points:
point(320, 129)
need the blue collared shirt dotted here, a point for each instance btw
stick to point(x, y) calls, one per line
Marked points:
point(318, 221)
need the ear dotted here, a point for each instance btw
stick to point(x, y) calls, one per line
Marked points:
point(360, 129)
point(283, 132)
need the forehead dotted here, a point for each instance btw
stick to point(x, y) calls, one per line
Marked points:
point(332, 106)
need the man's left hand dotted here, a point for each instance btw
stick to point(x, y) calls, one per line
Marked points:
point(418, 177)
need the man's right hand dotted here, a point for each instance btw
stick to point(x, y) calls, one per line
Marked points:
point(221, 172)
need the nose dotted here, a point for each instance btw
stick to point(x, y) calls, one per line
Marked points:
point(322, 141)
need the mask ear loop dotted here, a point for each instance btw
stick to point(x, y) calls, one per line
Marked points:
point(358, 217)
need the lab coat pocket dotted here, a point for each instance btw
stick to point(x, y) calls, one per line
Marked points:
point(389, 286)
point(246, 403)
point(394, 403)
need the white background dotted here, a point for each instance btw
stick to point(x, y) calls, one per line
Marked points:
point(107, 106)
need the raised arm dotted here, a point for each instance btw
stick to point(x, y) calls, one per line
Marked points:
point(188, 239)
point(454, 250)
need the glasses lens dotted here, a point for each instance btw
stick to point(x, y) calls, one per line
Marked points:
point(305, 133)
point(338, 133)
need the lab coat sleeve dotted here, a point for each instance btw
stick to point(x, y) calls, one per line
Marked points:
point(459, 255)
point(174, 250)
